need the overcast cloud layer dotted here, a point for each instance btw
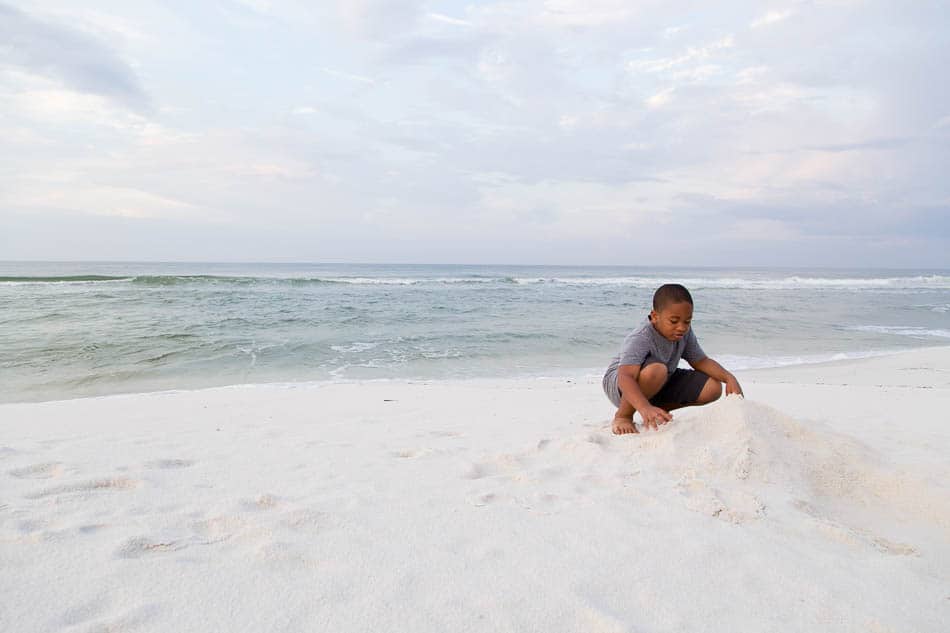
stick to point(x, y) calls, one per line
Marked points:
point(559, 131)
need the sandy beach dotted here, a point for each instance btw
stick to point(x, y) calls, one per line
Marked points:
point(819, 503)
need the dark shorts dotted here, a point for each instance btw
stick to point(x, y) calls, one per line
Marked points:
point(683, 386)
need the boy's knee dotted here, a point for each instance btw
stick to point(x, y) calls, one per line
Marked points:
point(711, 392)
point(653, 371)
point(652, 377)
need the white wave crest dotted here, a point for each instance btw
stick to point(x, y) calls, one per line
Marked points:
point(354, 348)
point(903, 330)
point(411, 281)
point(937, 282)
point(741, 363)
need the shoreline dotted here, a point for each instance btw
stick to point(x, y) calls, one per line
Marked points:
point(577, 374)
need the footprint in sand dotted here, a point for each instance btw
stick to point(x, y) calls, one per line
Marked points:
point(6, 451)
point(83, 612)
point(548, 498)
point(412, 453)
point(282, 553)
point(167, 464)
point(37, 471)
point(30, 526)
point(591, 618)
point(129, 621)
point(261, 502)
point(141, 546)
point(94, 485)
point(477, 471)
point(483, 499)
point(895, 549)
point(306, 519)
point(222, 528)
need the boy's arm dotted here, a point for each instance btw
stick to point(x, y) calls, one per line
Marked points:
point(714, 370)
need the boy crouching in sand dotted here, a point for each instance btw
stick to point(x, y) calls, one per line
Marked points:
point(644, 377)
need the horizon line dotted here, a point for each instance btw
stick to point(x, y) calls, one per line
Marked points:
point(507, 264)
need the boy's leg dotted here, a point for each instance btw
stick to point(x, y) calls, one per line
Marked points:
point(711, 391)
point(650, 381)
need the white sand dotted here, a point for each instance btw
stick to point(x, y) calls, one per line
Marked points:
point(819, 503)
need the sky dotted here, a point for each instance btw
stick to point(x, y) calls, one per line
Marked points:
point(525, 132)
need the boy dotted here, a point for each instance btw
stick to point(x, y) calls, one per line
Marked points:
point(644, 377)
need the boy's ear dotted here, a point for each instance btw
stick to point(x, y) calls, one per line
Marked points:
point(652, 316)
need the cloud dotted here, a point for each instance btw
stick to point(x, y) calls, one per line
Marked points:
point(379, 18)
point(772, 17)
point(445, 19)
point(691, 63)
point(586, 13)
point(672, 31)
point(557, 209)
point(348, 76)
point(873, 144)
point(367, 125)
point(763, 230)
point(76, 59)
point(659, 99)
point(78, 197)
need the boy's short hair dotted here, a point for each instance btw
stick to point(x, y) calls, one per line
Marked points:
point(670, 293)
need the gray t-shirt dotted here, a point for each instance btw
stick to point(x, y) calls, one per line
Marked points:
point(646, 345)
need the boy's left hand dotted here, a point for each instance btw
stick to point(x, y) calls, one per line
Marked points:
point(732, 386)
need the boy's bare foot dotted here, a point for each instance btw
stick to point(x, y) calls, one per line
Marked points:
point(624, 425)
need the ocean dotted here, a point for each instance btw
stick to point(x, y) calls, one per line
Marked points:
point(72, 330)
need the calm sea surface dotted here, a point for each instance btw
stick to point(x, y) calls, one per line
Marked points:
point(82, 329)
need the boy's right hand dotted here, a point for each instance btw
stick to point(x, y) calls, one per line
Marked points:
point(652, 416)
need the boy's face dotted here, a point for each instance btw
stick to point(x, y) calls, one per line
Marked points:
point(672, 322)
